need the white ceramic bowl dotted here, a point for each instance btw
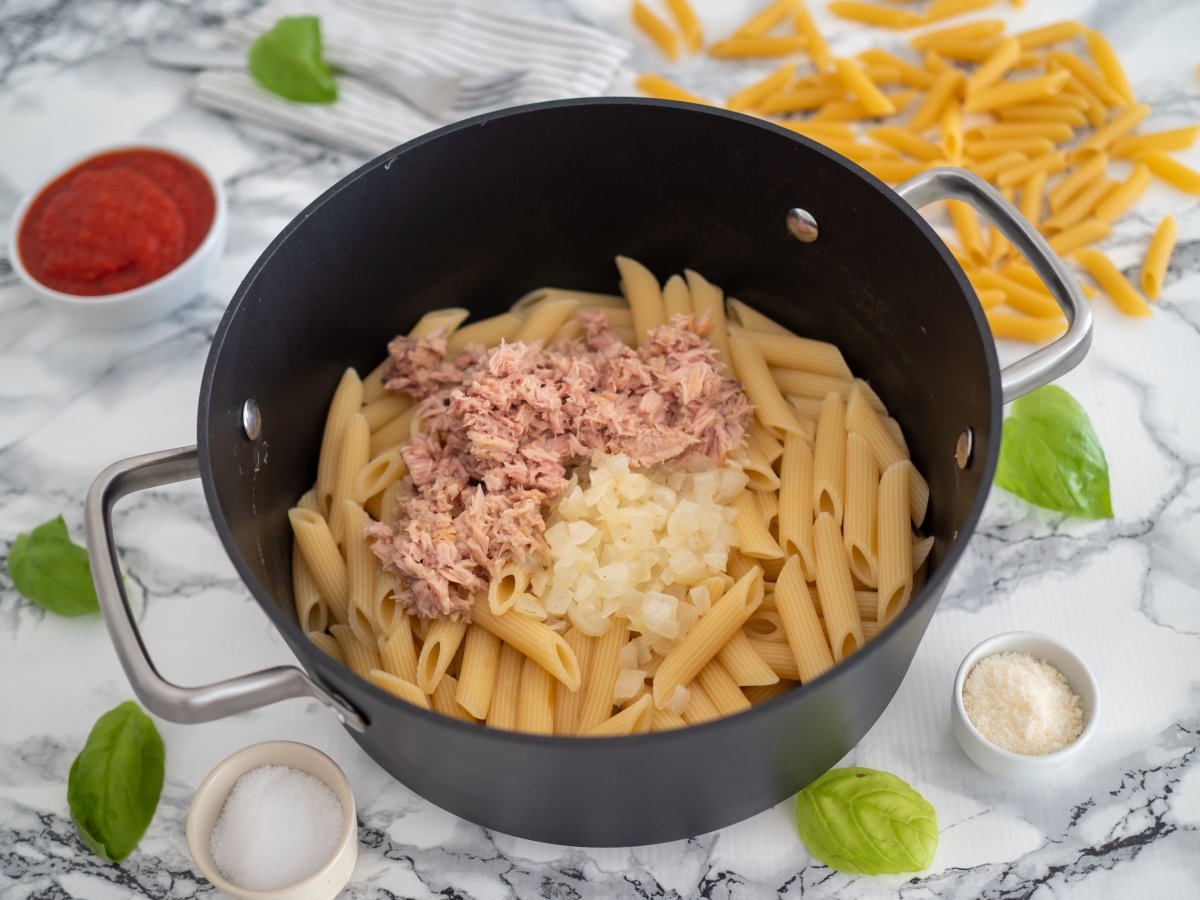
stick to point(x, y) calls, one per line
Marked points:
point(144, 304)
point(323, 884)
point(1003, 762)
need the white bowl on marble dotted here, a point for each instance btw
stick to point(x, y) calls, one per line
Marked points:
point(331, 876)
point(1005, 763)
point(150, 301)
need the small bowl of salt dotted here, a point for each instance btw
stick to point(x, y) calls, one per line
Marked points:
point(275, 820)
point(1024, 705)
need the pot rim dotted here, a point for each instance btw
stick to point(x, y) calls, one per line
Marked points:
point(317, 661)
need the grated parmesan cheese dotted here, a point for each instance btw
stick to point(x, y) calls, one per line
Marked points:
point(1022, 704)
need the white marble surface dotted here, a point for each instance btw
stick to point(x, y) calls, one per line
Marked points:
point(1124, 593)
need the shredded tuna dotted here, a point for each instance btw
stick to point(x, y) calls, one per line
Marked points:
point(502, 426)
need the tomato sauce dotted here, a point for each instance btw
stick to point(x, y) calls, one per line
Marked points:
point(115, 222)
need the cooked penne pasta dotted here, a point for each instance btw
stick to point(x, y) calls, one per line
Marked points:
point(347, 400)
point(665, 720)
point(504, 589)
point(398, 655)
point(829, 459)
point(377, 475)
point(805, 637)
point(312, 613)
point(858, 526)
point(802, 354)
point(502, 711)
point(488, 332)
point(602, 676)
point(753, 538)
point(361, 574)
point(838, 605)
point(699, 707)
point(360, 658)
point(743, 664)
point(921, 548)
point(708, 304)
point(327, 644)
point(722, 689)
point(645, 297)
point(568, 704)
point(676, 299)
point(535, 699)
point(795, 502)
point(1154, 268)
point(353, 453)
point(751, 369)
point(446, 320)
point(546, 318)
point(384, 408)
point(537, 641)
point(441, 643)
point(758, 469)
point(476, 679)
point(394, 434)
point(323, 559)
point(633, 719)
point(399, 687)
point(895, 543)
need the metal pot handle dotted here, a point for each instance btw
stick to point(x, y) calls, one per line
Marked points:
point(1046, 364)
point(187, 705)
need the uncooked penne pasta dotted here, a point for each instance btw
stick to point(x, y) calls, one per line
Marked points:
point(1154, 268)
point(1084, 204)
point(1124, 195)
point(534, 639)
point(1014, 92)
point(805, 638)
point(438, 649)
point(722, 689)
point(1110, 66)
point(502, 712)
point(1164, 141)
point(399, 687)
point(751, 369)
point(905, 141)
point(945, 86)
point(1088, 78)
point(1023, 328)
point(856, 82)
point(636, 718)
point(745, 666)
point(913, 76)
point(1112, 282)
point(945, 9)
point(1120, 125)
point(858, 525)
point(708, 302)
point(1054, 33)
point(895, 543)
point(1047, 162)
point(829, 458)
point(795, 502)
point(360, 658)
point(603, 668)
point(664, 89)
point(1172, 171)
point(999, 63)
point(738, 47)
point(477, 677)
point(662, 34)
point(535, 699)
point(753, 96)
point(714, 629)
point(346, 402)
point(323, 559)
point(689, 24)
point(836, 589)
point(874, 14)
point(967, 225)
point(1086, 232)
point(950, 129)
point(817, 49)
point(765, 19)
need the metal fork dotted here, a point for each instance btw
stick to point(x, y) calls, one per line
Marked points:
point(434, 95)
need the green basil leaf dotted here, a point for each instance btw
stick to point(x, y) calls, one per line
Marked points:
point(1050, 456)
point(50, 570)
point(287, 61)
point(866, 822)
point(116, 781)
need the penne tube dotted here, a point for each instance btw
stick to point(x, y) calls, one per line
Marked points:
point(944, 87)
point(795, 503)
point(1086, 232)
point(323, 559)
point(856, 82)
point(439, 320)
point(743, 664)
point(739, 47)
point(708, 304)
point(853, 110)
point(688, 23)
point(489, 332)
point(714, 629)
point(838, 606)
point(399, 687)
point(636, 718)
point(664, 89)
point(1092, 106)
point(442, 700)
point(1087, 171)
point(945, 9)
point(757, 695)
point(801, 98)
point(393, 435)
point(1112, 282)
point(967, 225)
point(722, 689)
point(766, 18)
point(906, 142)
point(1108, 63)
point(1123, 195)
point(645, 297)
point(858, 526)
point(764, 442)
point(895, 543)
point(312, 612)
point(1088, 78)
point(546, 318)
point(1084, 204)
point(1048, 163)
point(829, 458)
point(398, 655)
point(372, 384)
point(806, 639)
point(998, 64)
point(751, 319)
point(1032, 195)
point(346, 402)
point(913, 76)
point(1013, 92)
point(754, 96)
point(1030, 146)
point(1154, 268)
point(438, 649)
point(676, 299)
point(951, 131)
point(362, 569)
point(1030, 301)
point(1165, 141)
point(874, 14)
point(476, 678)
point(534, 639)
point(994, 165)
point(354, 451)
point(602, 673)
point(360, 658)
point(1024, 328)
point(973, 31)
point(665, 720)
point(1043, 112)
point(699, 708)
point(758, 469)
point(567, 704)
point(502, 711)
point(384, 408)
point(804, 354)
point(818, 50)
point(780, 657)
point(862, 417)
point(1171, 171)
point(921, 548)
point(1054, 33)
point(658, 31)
point(753, 539)
point(377, 475)
point(586, 299)
point(1119, 126)
point(327, 644)
point(751, 369)
point(535, 699)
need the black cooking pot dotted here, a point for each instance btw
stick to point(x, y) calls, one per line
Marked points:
point(477, 214)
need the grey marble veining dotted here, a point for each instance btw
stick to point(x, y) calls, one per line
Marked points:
point(1125, 593)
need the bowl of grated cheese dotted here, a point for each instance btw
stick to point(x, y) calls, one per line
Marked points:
point(1024, 705)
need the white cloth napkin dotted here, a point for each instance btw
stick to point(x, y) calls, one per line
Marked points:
point(374, 41)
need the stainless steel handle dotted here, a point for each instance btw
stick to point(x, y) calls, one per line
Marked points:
point(170, 701)
point(1045, 364)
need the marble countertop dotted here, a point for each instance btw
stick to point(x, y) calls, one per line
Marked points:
point(1124, 593)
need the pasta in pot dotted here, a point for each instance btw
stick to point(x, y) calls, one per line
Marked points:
point(654, 592)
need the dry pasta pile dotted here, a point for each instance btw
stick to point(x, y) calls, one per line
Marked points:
point(823, 551)
point(1025, 111)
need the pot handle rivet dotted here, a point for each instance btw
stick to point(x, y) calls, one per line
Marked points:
point(801, 225)
point(965, 447)
point(251, 420)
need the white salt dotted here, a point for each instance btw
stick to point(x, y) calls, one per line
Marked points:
point(1022, 704)
point(277, 827)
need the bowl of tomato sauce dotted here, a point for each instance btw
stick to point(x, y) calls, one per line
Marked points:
point(121, 237)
